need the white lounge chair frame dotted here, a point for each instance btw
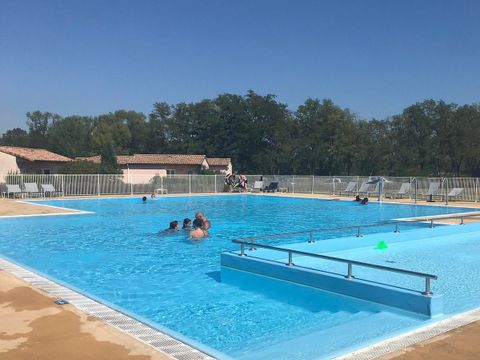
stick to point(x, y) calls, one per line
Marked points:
point(350, 188)
point(32, 189)
point(364, 188)
point(15, 190)
point(432, 189)
point(50, 190)
point(404, 190)
point(455, 192)
point(257, 186)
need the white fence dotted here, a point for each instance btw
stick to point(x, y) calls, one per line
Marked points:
point(94, 185)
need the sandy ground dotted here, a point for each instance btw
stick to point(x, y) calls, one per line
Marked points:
point(32, 327)
point(15, 207)
point(461, 343)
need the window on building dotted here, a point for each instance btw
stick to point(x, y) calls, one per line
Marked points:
point(170, 172)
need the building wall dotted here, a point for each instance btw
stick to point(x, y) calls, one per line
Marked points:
point(141, 174)
point(38, 167)
point(221, 169)
point(8, 163)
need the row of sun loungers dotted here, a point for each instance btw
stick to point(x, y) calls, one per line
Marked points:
point(405, 189)
point(258, 186)
point(31, 190)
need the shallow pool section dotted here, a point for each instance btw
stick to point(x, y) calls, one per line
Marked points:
point(117, 254)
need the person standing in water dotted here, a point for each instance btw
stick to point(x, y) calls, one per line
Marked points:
point(198, 231)
point(206, 223)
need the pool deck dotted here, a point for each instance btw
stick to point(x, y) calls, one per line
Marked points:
point(37, 328)
point(33, 327)
point(461, 343)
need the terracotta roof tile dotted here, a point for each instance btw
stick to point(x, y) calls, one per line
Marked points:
point(32, 154)
point(167, 159)
point(219, 161)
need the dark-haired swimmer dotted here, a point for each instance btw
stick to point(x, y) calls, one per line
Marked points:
point(198, 232)
point(173, 227)
point(187, 224)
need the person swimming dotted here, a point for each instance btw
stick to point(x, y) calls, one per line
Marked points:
point(206, 223)
point(187, 224)
point(357, 198)
point(144, 199)
point(198, 232)
point(174, 226)
point(364, 201)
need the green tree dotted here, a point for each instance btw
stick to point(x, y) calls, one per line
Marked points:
point(38, 124)
point(15, 137)
point(109, 159)
point(71, 136)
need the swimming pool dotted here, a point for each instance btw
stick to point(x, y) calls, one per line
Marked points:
point(116, 254)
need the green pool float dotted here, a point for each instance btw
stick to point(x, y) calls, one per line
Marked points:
point(382, 245)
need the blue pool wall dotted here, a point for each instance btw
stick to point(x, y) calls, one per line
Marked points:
point(403, 299)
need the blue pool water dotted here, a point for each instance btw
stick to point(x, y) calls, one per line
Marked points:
point(117, 254)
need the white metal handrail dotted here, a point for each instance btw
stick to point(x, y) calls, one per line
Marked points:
point(427, 291)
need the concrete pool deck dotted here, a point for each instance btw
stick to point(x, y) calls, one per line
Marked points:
point(33, 320)
point(33, 327)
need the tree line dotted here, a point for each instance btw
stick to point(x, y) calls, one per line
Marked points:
point(261, 135)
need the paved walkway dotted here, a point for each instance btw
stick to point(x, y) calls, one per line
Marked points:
point(32, 327)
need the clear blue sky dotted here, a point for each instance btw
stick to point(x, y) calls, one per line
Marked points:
point(374, 57)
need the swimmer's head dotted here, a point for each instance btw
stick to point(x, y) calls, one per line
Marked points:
point(200, 215)
point(187, 223)
point(144, 199)
point(197, 223)
point(174, 225)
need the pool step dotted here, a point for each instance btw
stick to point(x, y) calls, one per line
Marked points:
point(353, 287)
point(336, 340)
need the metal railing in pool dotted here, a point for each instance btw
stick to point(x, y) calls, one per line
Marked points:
point(427, 291)
point(358, 228)
point(250, 241)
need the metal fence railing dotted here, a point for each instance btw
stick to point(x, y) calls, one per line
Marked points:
point(446, 189)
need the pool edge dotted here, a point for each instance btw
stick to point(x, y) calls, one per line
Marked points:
point(175, 346)
point(412, 337)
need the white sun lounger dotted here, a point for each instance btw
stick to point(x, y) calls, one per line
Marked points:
point(257, 186)
point(432, 190)
point(350, 188)
point(14, 190)
point(364, 188)
point(49, 189)
point(404, 190)
point(32, 189)
point(455, 192)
